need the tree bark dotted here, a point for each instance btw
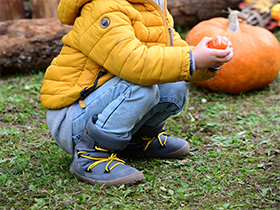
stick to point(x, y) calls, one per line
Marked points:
point(190, 12)
point(29, 44)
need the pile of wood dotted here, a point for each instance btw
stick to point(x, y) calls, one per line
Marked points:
point(31, 44)
point(19, 9)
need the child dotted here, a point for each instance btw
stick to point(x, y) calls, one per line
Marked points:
point(123, 70)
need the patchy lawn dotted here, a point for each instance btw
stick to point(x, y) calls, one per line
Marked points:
point(234, 162)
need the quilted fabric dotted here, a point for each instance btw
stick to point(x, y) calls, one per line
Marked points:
point(126, 38)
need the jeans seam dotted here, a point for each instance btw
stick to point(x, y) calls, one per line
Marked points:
point(128, 87)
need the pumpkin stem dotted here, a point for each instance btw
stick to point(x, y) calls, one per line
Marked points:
point(233, 18)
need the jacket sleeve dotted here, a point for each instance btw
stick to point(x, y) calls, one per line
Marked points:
point(198, 75)
point(115, 47)
point(178, 41)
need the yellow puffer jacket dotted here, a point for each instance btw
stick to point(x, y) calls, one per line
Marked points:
point(128, 38)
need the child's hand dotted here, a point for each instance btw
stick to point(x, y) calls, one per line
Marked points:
point(205, 57)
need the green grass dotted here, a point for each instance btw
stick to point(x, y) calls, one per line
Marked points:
point(234, 162)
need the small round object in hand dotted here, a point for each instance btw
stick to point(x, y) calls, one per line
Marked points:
point(218, 43)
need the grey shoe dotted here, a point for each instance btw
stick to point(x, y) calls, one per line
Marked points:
point(94, 164)
point(154, 142)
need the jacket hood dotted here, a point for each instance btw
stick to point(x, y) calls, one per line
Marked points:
point(69, 10)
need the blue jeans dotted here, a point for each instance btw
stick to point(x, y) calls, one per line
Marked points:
point(122, 107)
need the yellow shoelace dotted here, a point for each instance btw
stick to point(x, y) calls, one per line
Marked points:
point(150, 140)
point(109, 159)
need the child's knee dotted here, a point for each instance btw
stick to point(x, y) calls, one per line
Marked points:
point(181, 91)
point(176, 92)
point(148, 94)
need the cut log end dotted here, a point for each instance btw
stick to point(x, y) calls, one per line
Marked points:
point(29, 45)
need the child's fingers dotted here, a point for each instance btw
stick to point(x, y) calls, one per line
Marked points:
point(229, 44)
point(204, 41)
point(226, 58)
point(225, 38)
point(222, 53)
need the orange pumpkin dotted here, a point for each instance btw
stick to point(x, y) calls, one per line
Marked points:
point(256, 60)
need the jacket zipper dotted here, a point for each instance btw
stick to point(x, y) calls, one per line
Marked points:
point(165, 19)
point(171, 35)
point(88, 90)
point(170, 29)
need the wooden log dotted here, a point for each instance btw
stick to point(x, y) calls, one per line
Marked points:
point(44, 8)
point(11, 10)
point(29, 44)
point(190, 12)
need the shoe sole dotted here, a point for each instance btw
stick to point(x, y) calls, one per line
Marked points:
point(131, 179)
